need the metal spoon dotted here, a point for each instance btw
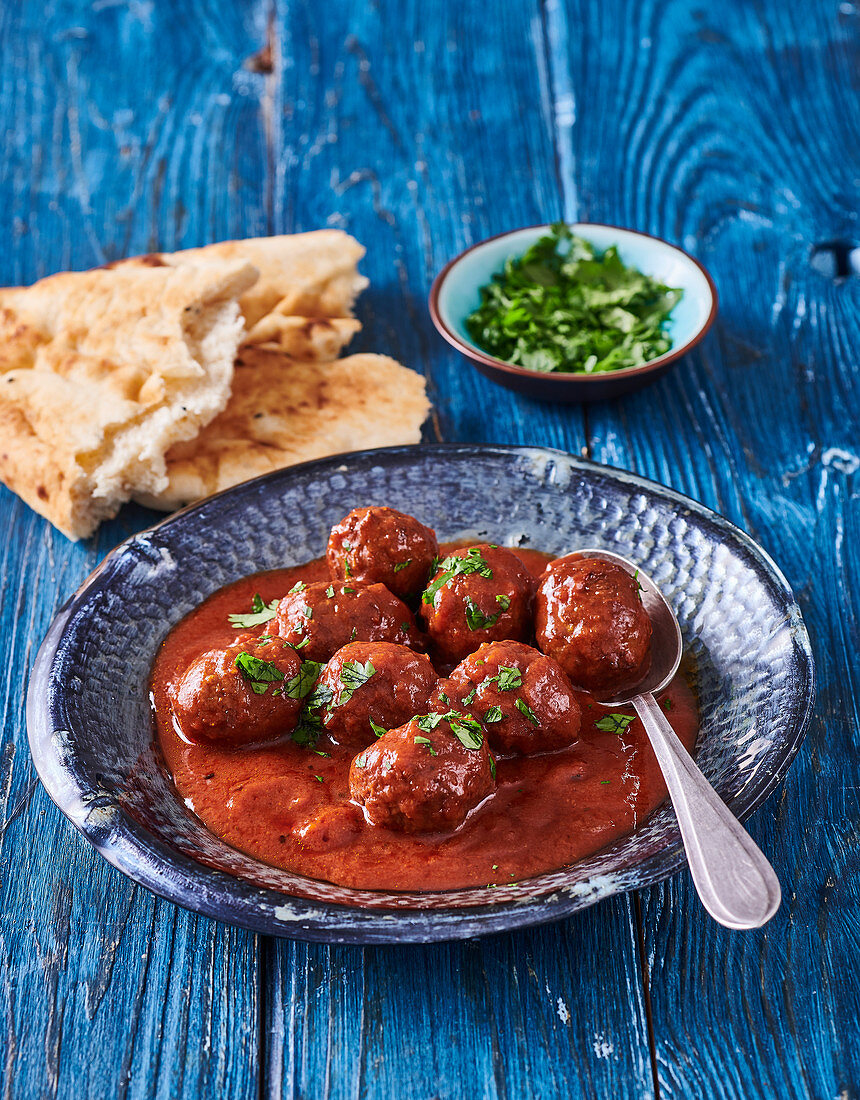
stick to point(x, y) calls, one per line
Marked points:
point(734, 880)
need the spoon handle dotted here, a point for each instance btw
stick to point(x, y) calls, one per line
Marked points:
point(735, 882)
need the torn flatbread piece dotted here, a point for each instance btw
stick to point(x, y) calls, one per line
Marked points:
point(301, 275)
point(283, 411)
point(102, 371)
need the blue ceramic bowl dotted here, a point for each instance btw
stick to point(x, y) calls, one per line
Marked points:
point(456, 292)
point(88, 708)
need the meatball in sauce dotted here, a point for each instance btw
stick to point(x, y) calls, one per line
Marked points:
point(522, 697)
point(478, 594)
point(246, 692)
point(589, 617)
point(321, 617)
point(425, 776)
point(371, 686)
point(382, 545)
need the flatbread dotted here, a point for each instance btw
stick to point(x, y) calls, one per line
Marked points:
point(101, 371)
point(301, 275)
point(284, 411)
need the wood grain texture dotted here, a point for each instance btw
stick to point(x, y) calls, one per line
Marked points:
point(124, 129)
point(726, 142)
point(422, 128)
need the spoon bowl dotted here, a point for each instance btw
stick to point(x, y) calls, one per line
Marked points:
point(734, 880)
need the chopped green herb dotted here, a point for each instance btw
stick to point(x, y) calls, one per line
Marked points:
point(493, 770)
point(419, 740)
point(604, 782)
point(428, 722)
point(361, 760)
point(347, 568)
point(299, 586)
point(259, 674)
point(260, 613)
point(309, 726)
point(402, 565)
point(444, 698)
point(319, 779)
point(454, 566)
point(348, 591)
point(377, 729)
point(308, 611)
point(615, 723)
point(495, 866)
point(504, 601)
point(509, 678)
point(467, 699)
point(352, 676)
point(494, 714)
point(353, 634)
point(330, 592)
point(302, 683)
point(563, 306)
point(667, 704)
point(303, 642)
point(525, 709)
point(475, 617)
point(467, 731)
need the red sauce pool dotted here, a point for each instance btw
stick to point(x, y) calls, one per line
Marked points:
point(548, 810)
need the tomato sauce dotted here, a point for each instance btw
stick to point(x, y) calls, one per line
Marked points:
point(289, 806)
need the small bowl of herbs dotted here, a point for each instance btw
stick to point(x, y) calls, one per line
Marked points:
point(573, 312)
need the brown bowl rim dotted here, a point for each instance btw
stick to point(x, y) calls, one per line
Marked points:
point(551, 377)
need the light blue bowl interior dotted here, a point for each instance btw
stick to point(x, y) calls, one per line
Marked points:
point(460, 292)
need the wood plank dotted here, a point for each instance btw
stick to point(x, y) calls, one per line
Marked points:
point(427, 129)
point(126, 127)
point(738, 139)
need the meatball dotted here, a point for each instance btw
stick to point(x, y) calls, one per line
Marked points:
point(478, 594)
point(250, 691)
point(385, 546)
point(589, 617)
point(426, 776)
point(368, 684)
point(522, 697)
point(319, 618)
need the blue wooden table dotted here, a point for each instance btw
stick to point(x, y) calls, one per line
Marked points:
point(731, 129)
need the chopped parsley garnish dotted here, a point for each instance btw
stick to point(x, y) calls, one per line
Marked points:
point(402, 565)
point(503, 600)
point(260, 613)
point(353, 633)
point(308, 729)
point(361, 760)
point(348, 591)
point(467, 731)
point(605, 782)
point(347, 568)
point(303, 642)
point(509, 678)
point(467, 699)
point(352, 676)
point(308, 611)
point(454, 566)
point(523, 707)
point(615, 723)
point(330, 592)
point(319, 778)
point(259, 674)
point(299, 586)
point(493, 771)
point(300, 685)
point(475, 617)
point(419, 740)
point(563, 306)
point(494, 714)
point(667, 704)
point(377, 729)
